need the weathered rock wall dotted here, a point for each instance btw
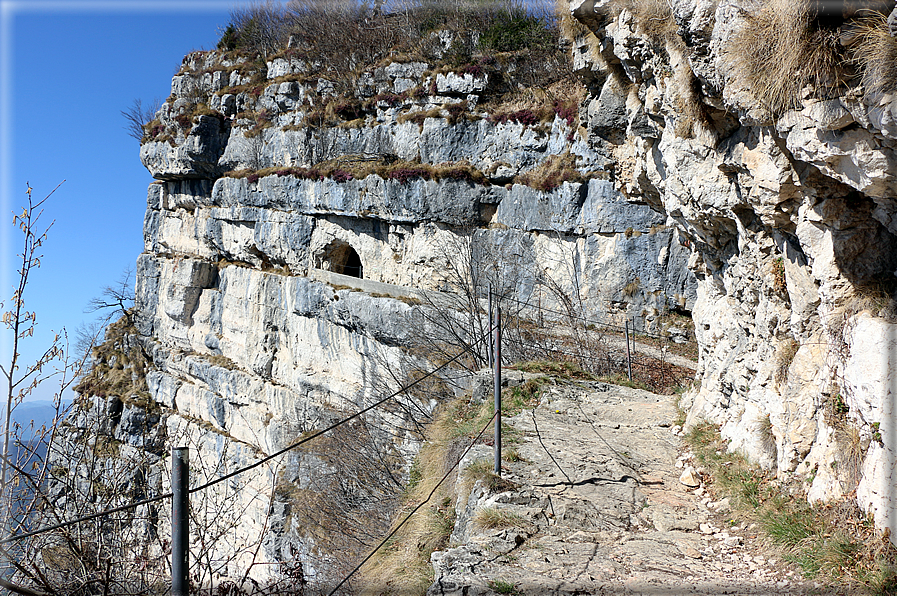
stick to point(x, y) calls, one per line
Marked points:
point(246, 351)
point(790, 215)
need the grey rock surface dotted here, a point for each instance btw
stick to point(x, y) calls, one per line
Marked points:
point(246, 349)
point(597, 508)
point(791, 217)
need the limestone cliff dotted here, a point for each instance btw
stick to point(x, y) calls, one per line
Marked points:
point(294, 240)
point(766, 131)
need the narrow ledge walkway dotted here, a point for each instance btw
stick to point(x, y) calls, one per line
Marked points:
point(598, 508)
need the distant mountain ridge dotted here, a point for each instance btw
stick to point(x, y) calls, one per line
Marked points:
point(41, 412)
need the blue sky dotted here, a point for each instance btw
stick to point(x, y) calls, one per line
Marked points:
point(68, 68)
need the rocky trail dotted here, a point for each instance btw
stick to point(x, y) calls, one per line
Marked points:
point(601, 500)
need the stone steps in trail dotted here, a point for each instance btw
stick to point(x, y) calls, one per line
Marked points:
point(597, 507)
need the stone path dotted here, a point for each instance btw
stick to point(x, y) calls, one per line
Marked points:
point(598, 507)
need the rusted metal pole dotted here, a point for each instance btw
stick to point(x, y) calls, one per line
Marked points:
point(180, 519)
point(628, 353)
point(497, 390)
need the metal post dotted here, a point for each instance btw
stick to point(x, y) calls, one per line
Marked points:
point(628, 354)
point(497, 390)
point(541, 322)
point(489, 335)
point(663, 353)
point(180, 530)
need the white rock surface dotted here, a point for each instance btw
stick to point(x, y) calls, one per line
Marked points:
point(792, 218)
point(247, 352)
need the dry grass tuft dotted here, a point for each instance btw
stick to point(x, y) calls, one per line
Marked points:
point(875, 53)
point(654, 18)
point(780, 50)
point(482, 471)
point(765, 436)
point(570, 27)
point(494, 517)
point(784, 357)
point(552, 172)
point(852, 452)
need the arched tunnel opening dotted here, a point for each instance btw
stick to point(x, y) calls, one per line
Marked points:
point(340, 257)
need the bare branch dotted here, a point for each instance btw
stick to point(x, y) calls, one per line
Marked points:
point(138, 115)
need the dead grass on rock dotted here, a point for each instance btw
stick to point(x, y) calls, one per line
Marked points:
point(875, 53)
point(780, 49)
point(552, 172)
point(654, 18)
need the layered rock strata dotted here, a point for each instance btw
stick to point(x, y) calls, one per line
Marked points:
point(790, 213)
point(247, 349)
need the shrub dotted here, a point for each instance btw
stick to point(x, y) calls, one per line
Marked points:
point(185, 121)
point(154, 129)
point(405, 173)
point(341, 176)
point(781, 49)
point(456, 110)
point(345, 37)
point(525, 116)
point(230, 39)
point(390, 99)
point(567, 110)
point(262, 121)
point(473, 69)
point(515, 30)
point(874, 50)
point(261, 27)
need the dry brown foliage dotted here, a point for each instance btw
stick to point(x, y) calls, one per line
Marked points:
point(654, 17)
point(780, 50)
point(552, 172)
point(875, 53)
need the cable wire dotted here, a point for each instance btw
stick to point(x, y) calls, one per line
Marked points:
point(416, 509)
point(584, 319)
point(239, 471)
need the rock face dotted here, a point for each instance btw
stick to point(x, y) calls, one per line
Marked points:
point(790, 212)
point(298, 231)
point(251, 332)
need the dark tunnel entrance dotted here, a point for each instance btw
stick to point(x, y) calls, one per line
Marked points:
point(352, 265)
point(340, 257)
